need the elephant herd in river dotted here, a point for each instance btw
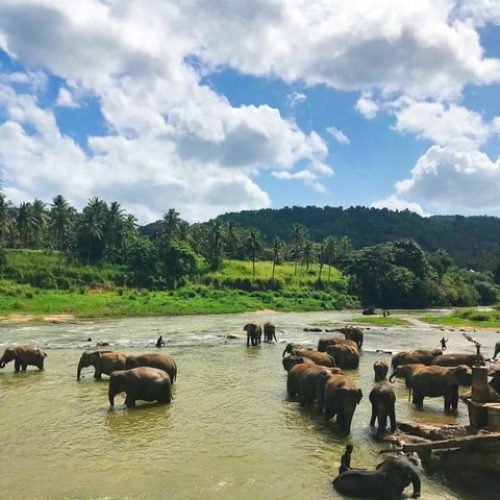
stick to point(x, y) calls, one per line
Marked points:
point(313, 376)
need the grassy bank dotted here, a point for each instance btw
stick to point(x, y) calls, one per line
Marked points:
point(34, 289)
point(467, 317)
point(380, 321)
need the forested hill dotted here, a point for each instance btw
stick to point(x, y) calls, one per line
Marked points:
point(474, 241)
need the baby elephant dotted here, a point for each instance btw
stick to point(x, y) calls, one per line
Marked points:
point(142, 383)
point(23, 355)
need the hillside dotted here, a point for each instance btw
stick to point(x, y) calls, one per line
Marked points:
point(474, 241)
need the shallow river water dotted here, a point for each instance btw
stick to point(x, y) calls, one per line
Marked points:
point(230, 432)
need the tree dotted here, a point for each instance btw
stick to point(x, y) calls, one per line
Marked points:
point(330, 252)
point(25, 224)
point(215, 245)
point(90, 231)
point(307, 253)
point(277, 246)
point(177, 260)
point(40, 219)
point(253, 245)
point(299, 235)
point(142, 261)
point(61, 220)
point(171, 224)
point(6, 218)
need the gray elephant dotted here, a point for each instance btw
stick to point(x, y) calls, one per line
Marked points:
point(23, 355)
point(406, 372)
point(312, 384)
point(269, 332)
point(320, 358)
point(424, 356)
point(290, 361)
point(383, 400)
point(436, 381)
point(340, 398)
point(254, 333)
point(143, 383)
point(380, 367)
point(354, 333)
point(345, 356)
point(386, 482)
point(161, 361)
point(457, 359)
point(103, 362)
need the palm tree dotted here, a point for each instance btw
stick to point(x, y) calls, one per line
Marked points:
point(40, 219)
point(231, 240)
point(25, 224)
point(322, 256)
point(308, 253)
point(60, 221)
point(330, 252)
point(277, 246)
point(6, 219)
point(254, 245)
point(299, 235)
point(215, 244)
point(171, 224)
point(91, 229)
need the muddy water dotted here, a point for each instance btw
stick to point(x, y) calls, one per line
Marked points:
point(230, 432)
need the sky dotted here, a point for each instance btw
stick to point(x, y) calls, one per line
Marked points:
point(222, 106)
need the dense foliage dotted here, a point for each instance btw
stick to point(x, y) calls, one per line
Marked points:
point(288, 252)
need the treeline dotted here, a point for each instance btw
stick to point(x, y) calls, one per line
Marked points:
point(173, 253)
point(473, 242)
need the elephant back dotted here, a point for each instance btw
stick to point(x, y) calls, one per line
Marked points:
point(163, 362)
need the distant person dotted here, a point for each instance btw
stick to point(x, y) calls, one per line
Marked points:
point(443, 343)
point(160, 342)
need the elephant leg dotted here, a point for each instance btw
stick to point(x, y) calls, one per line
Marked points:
point(248, 339)
point(17, 365)
point(418, 398)
point(382, 421)
point(330, 411)
point(24, 366)
point(454, 400)
point(374, 416)
point(392, 418)
point(130, 402)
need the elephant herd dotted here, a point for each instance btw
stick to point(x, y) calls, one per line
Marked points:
point(147, 377)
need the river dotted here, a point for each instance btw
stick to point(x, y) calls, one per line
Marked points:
point(230, 432)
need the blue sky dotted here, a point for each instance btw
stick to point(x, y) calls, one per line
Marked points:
point(220, 108)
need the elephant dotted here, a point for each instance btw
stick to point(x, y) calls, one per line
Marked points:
point(324, 343)
point(320, 358)
point(103, 362)
point(435, 381)
point(369, 311)
point(143, 383)
point(312, 384)
point(23, 355)
point(406, 372)
point(294, 374)
point(345, 356)
point(340, 398)
point(424, 356)
point(380, 367)
point(497, 350)
point(290, 361)
point(383, 401)
point(457, 359)
point(354, 333)
point(254, 333)
point(269, 332)
point(161, 361)
point(386, 482)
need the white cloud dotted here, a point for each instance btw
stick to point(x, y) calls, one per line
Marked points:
point(452, 124)
point(479, 12)
point(451, 181)
point(394, 203)
point(296, 99)
point(65, 99)
point(367, 107)
point(338, 135)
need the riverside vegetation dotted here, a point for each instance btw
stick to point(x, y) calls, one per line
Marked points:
point(98, 262)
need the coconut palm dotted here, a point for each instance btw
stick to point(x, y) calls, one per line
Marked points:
point(61, 220)
point(171, 224)
point(307, 253)
point(6, 218)
point(25, 224)
point(40, 219)
point(277, 247)
point(299, 235)
point(215, 244)
point(253, 245)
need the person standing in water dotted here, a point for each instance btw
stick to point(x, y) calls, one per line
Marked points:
point(443, 343)
point(160, 342)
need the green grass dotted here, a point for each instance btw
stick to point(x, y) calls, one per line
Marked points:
point(380, 321)
point(467, 317)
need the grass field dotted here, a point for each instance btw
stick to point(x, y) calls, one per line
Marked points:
point(467, 317)
point(380, 321)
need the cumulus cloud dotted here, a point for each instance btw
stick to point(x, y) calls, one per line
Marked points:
point(367, 106)
point(448, 180)
point(452, 124)
point(338, 135)
point(394, 203)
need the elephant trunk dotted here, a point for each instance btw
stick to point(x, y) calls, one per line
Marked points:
point(284, 352)
point(415, 481)
point(2, 363)
point(391, 378)
point(348, 413)
point(79, 371)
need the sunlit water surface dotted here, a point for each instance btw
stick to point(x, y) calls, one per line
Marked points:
point(230, 432)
